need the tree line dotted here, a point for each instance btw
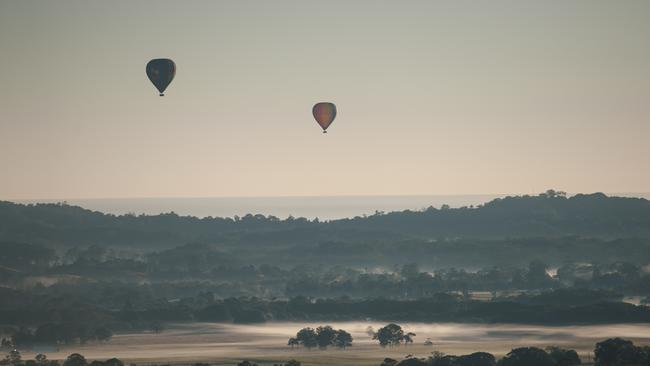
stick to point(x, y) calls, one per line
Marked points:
point(611, 352)
point(551, 213)
point(57, 333)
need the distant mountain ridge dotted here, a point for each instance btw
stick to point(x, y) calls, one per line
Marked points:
point(550, 214)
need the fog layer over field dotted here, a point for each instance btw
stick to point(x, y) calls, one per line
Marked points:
point(223, 342)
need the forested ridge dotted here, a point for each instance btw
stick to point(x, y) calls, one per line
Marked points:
point(550, 214)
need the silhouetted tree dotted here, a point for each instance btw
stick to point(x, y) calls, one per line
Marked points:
point(617, 352)
point(343, 339)
point(325, 336)
point(527, 356)
point(408, 337)
point(75, 359)
point(412, 362)
point(564, 357)
point(41, 359)
point(390, 335)
point(13, 357)
point(307, 337)
point(114, 362)
point(476, 359)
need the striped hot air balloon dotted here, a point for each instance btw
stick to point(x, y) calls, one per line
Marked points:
point(324, 113)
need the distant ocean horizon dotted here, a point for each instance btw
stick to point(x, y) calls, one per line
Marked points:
point(323, 207)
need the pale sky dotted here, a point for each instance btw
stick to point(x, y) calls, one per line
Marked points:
point(433, 97)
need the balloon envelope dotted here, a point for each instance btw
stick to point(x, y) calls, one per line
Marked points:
point(324, 113)
point(161, 72)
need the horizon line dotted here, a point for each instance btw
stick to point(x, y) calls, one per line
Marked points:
point(310, 196)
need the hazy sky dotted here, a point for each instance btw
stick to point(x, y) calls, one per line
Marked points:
point(434, 97)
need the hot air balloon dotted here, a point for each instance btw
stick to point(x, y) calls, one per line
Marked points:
point(324, 113)
point(161, 72)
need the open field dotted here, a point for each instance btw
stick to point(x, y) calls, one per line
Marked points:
point(226, 343)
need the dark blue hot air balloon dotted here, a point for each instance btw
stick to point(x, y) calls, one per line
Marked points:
point(161, 72)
